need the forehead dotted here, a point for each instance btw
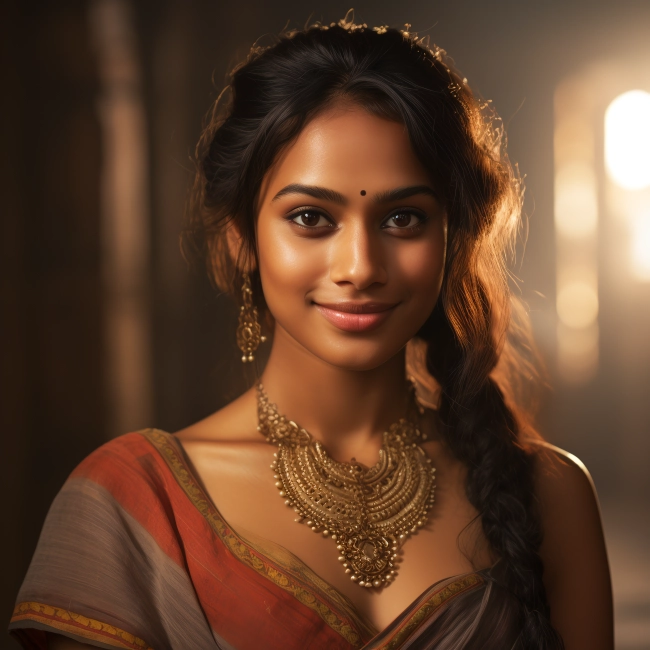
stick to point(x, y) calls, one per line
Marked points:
point(346, 148)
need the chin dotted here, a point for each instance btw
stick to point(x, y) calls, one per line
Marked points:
point(357, 355)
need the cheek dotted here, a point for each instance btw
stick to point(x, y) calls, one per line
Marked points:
point(284, 262)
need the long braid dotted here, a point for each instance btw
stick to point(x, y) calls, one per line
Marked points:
point(482, 431)
point(468, 341)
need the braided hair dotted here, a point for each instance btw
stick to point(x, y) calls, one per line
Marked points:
point(457, 138)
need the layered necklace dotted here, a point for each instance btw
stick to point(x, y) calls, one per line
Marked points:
point(368, 512)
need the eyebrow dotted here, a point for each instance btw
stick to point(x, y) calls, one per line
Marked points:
point(326, 194)
point(312, 190)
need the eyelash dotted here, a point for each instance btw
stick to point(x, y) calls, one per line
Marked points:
point(318, 229)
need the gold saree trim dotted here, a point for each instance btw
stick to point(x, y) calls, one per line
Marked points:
point(77, 624)
point(245, 551)
point(430, 605)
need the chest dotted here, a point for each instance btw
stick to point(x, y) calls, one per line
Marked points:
point(240, 482)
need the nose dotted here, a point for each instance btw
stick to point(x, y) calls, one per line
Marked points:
point(357, 257)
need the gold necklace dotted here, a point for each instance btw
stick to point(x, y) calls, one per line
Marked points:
point(368, 512)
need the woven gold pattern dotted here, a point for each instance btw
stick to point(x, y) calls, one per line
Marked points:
point(78, 624)
point(368, 512)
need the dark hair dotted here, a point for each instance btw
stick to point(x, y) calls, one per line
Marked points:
point(395, 75)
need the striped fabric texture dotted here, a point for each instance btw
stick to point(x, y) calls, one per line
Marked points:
point(133, 554)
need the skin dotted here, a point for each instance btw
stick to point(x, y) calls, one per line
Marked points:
point(346, 387)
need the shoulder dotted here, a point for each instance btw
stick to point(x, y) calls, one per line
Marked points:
point(130, 477)
point(114, 547)
point(124, 494)
point(133, 458)
point(576, 570)
point(563, 482)
point(567, 499)
point(132, 480)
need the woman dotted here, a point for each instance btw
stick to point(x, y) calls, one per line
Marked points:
point(360, 199)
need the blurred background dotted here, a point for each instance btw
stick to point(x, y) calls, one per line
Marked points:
point(105, 330)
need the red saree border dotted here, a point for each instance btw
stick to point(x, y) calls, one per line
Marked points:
point(432, 603)
point(78, 624)
point(245, 552)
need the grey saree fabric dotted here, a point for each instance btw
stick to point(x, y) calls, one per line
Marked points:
point(134, 554)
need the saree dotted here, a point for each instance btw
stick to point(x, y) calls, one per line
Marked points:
point(134, 554)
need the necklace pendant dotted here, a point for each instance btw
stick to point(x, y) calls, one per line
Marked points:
point(370, 558)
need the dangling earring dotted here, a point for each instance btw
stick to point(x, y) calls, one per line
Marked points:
point(249, 330)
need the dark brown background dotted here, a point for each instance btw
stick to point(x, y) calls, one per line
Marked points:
point(57, 307)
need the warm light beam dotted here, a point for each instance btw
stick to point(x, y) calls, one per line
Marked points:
point(577, 304)
point(627, 140)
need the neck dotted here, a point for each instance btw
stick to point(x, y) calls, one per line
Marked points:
point(346, 410)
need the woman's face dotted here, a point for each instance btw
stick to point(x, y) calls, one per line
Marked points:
point(351, 239)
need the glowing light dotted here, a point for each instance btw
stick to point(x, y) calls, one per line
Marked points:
point(573, 140)
point(576, 200)
point(641, 247)
point(576, 214)
point(627, 140)
point(578, 353)
point(577, 304)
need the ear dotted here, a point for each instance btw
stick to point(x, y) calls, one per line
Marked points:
point(240, 256)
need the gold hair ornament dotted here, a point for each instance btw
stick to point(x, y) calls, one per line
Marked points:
point(249, 330)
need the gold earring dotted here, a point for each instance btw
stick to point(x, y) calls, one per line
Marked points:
point(249, 330)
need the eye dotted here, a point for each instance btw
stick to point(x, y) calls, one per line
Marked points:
point(404, 220)
point(310, 219)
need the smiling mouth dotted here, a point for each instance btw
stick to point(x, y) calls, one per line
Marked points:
point(356, 317)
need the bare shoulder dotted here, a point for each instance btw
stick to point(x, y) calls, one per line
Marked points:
point(568, 506)
point(576, 569)
point(564, 484)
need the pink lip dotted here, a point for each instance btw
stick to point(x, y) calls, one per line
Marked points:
point(356, 317)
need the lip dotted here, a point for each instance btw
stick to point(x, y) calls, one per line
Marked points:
point(356, 317)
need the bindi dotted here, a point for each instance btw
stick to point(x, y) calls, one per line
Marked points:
point(363, 192)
